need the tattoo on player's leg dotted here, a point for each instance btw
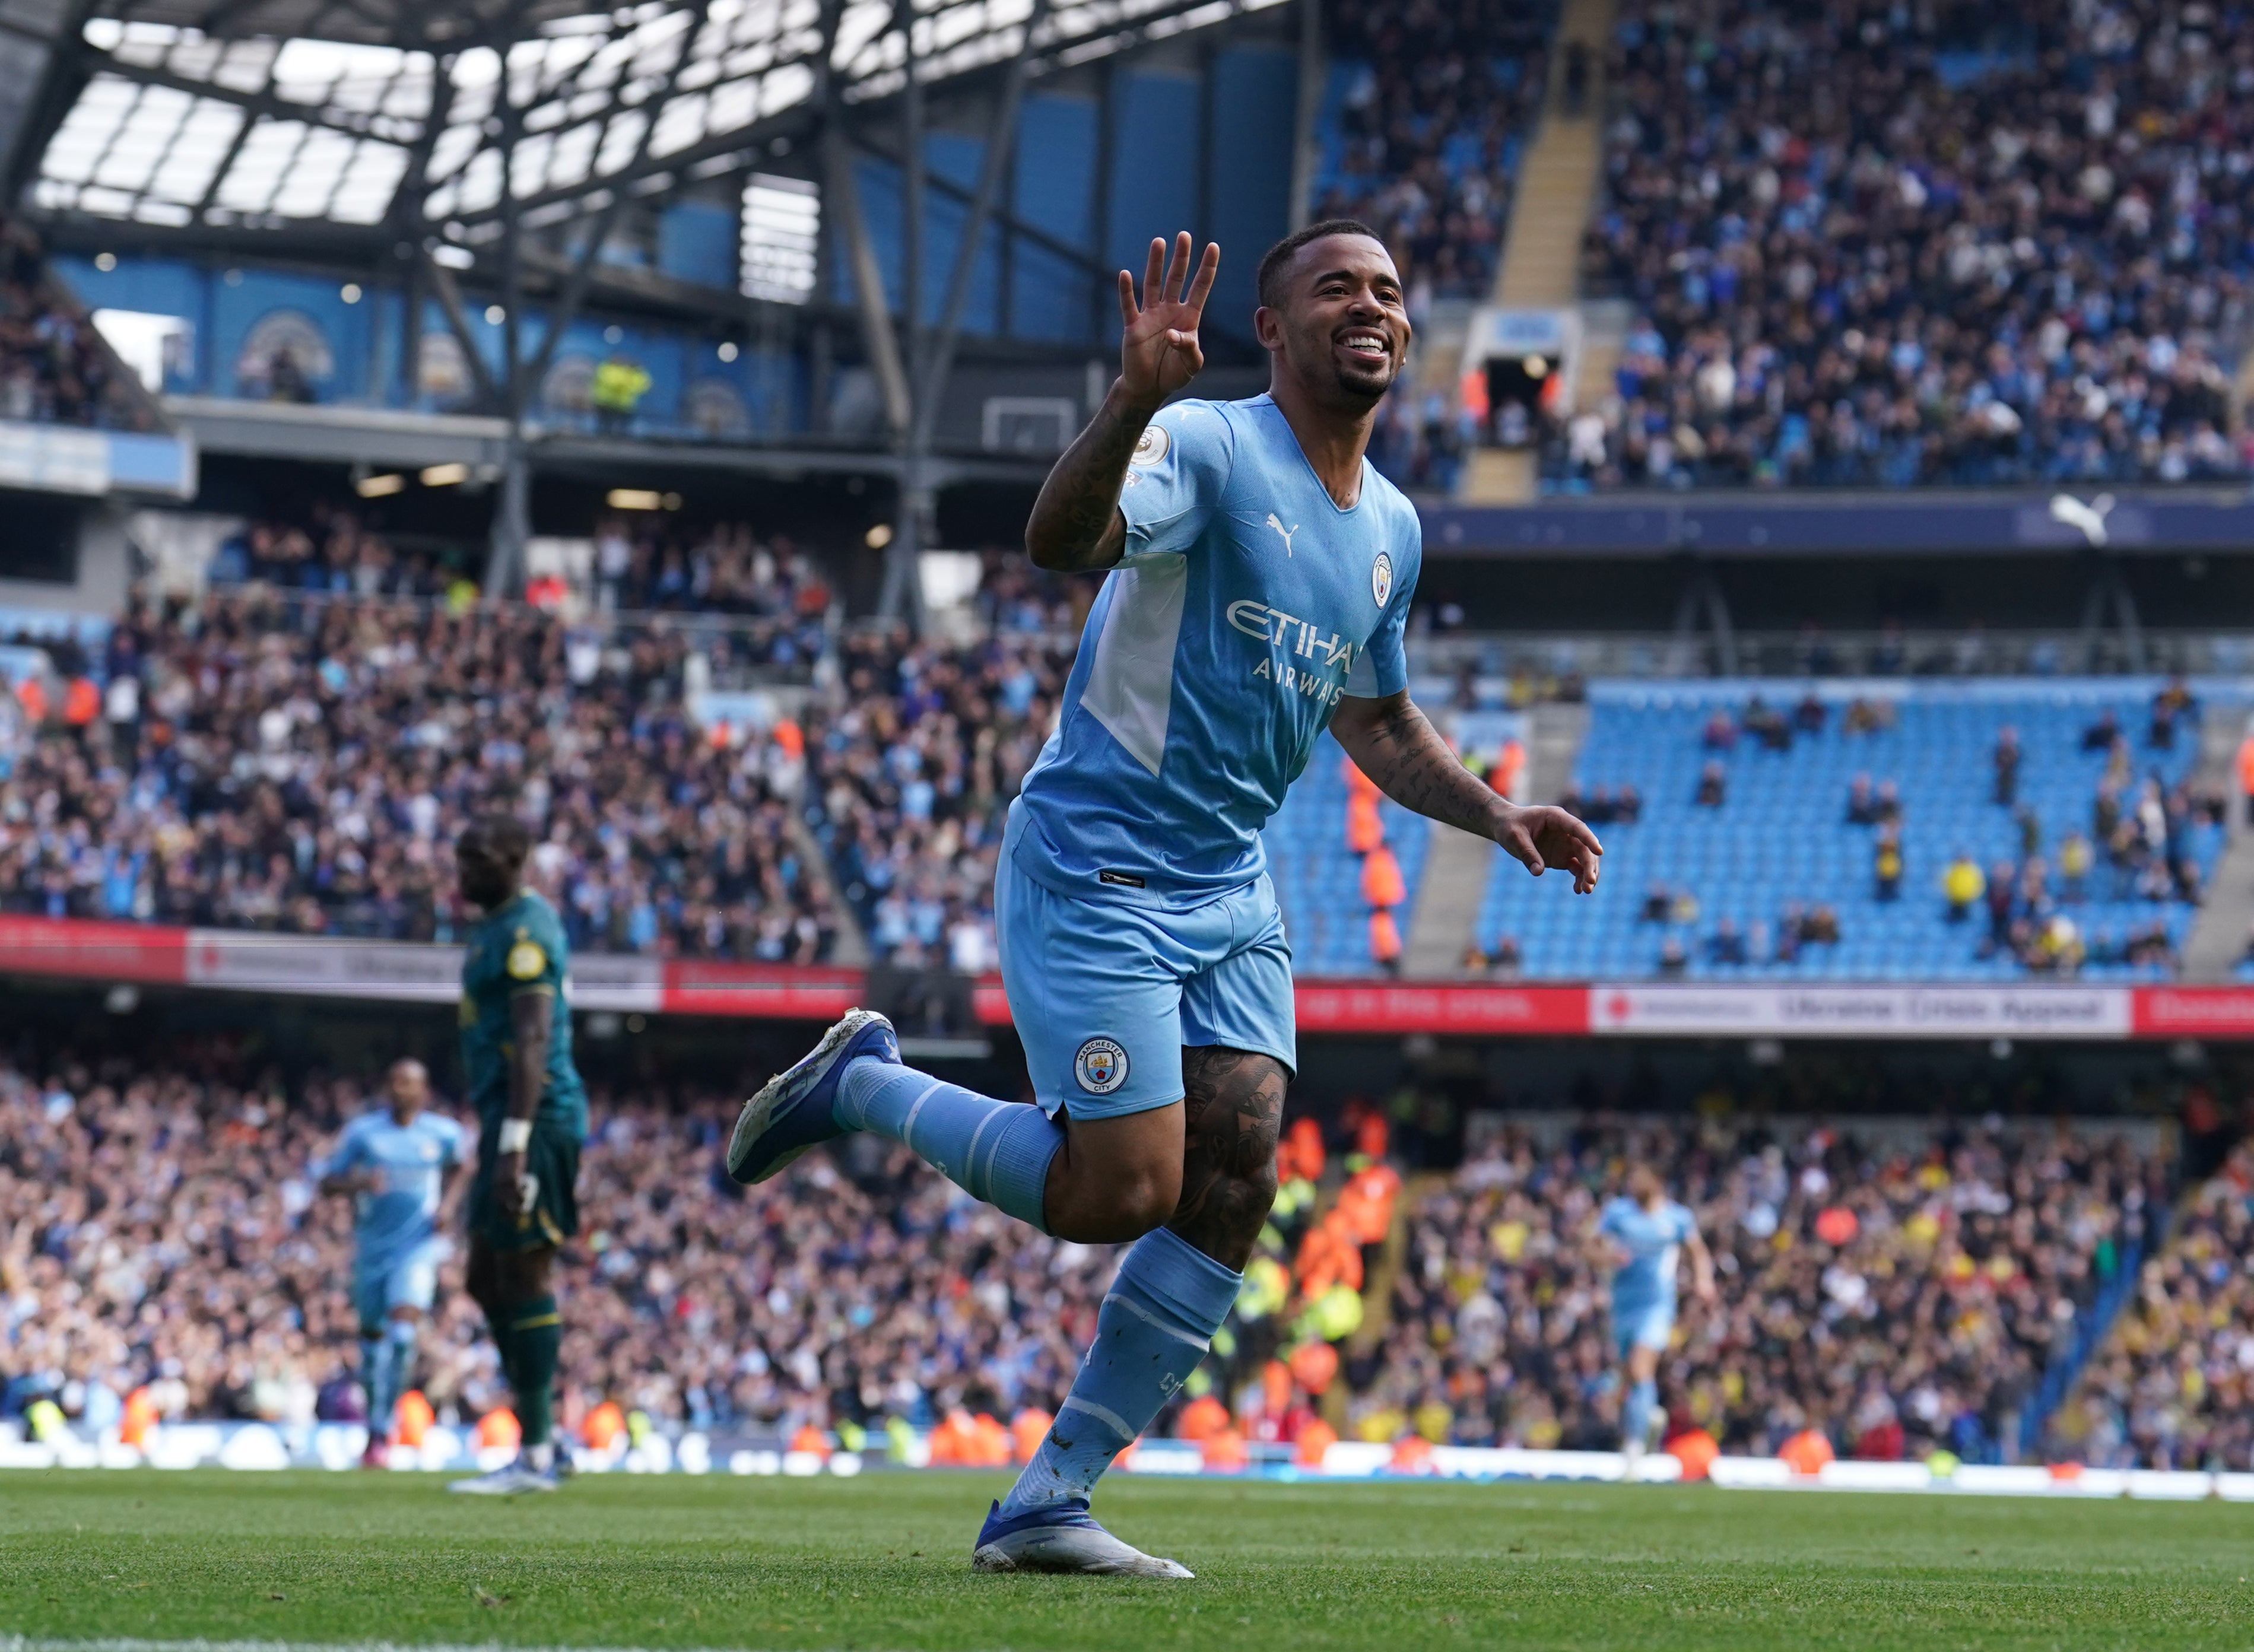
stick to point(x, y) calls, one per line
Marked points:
point(1233, 1111)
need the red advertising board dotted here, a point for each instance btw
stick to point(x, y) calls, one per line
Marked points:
point(79, 949)
point(2194, 1012)
point(324, 966)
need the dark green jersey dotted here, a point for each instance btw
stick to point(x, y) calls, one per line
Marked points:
point(519, 948)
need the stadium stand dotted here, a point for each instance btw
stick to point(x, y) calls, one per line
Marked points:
point(1322, 848)
point(180, 771)
point(1872, 244)
point(1830, 832)
point(914, 773)
point(160, 1228)
point(2168, 1389)
point(1423, 114)
point(254, 761)
point(1900, 1294)
point(54, 369)
point(644, 564)
point(1902, 1290)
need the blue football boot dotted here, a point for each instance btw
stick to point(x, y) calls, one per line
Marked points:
point(793, 1113)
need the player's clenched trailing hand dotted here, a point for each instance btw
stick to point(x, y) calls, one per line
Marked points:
point(1159, 351)
point(1544, 837)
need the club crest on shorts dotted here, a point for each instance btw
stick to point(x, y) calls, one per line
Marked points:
point(1101, 1066)
point(1152, 446)
point(1381, 578)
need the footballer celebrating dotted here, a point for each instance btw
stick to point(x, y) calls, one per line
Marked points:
point(1258, 578)
point(532, 1116)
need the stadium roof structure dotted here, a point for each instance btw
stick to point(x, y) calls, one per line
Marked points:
point(502, 141)
point(265, 115)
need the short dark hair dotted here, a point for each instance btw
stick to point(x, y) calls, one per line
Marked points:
point(510, 837)
point(1273, 261)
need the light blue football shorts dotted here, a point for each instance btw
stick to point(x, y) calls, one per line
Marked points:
point(1647, 1324)
point(397, 1279)
point(1105, 994)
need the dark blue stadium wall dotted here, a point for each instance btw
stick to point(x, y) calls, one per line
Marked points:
point(1205, 148)
point(355, 358)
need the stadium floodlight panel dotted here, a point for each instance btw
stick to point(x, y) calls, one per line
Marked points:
point(781, 239)
point(175, 125)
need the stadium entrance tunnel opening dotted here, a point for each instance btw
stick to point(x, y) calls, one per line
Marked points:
point(1521, 389)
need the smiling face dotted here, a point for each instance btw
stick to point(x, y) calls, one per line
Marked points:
point(1338, 325)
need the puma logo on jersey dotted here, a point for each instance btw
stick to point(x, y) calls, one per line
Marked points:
point(1283, 533)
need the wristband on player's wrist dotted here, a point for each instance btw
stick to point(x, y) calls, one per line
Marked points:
point(516, 1134)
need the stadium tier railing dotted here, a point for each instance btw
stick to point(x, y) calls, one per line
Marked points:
point(1514, 665)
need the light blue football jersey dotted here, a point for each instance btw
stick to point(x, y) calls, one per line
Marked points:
point(1247, 605)
point(410, 1164)
point(1653, 1239)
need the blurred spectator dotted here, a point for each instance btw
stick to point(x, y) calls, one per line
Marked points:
point(54, 369)
point(1887, 864)
point(2007, 767)
point(2169, 1388)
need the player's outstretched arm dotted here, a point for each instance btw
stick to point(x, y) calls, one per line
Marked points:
point(1393, 743)
point(1076, 527)
point(1702, 1267)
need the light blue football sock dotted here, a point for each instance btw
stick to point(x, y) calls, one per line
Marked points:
point(1154, 1327)
point(401, 1335)
point(375, 1377)
point(999, 1151)
point(1635, 1417)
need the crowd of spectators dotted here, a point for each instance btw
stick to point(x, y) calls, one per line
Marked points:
point(1868, 244)
point(253, 759)
point(339, 551)
point(1900, 1297)
point(160, 1230)
point(1440, 95)
point(162, 1227)
point(53, 366)
point(646, 563)
point(915, 769)
point(2170, 1388)
point(257, 762)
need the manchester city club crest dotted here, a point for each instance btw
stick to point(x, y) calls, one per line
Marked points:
point(1152, 446)
point(1381, 578)
point(1100, 1066)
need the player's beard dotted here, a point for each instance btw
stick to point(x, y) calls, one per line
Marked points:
point(1367, 385)
point(1360, 385)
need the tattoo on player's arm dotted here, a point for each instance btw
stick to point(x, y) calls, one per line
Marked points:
point(1233, 1112)
point(1075, 526)
point(1397, 746)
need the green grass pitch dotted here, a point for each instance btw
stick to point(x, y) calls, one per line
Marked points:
point(883, 1561)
